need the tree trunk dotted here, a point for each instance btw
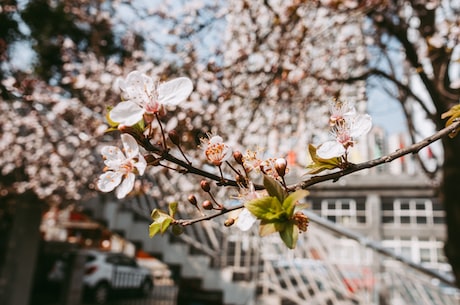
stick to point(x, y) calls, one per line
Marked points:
point(16, 280)
point(450, 195)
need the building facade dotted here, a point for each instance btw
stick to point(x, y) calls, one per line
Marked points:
point(400, 211)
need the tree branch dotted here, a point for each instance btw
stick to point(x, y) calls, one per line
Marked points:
point(413, 149)
point(376, 72)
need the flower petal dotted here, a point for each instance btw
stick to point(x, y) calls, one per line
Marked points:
point(361, 125)
point(126, 113)
point(108, 181)
point(112, 153)
point(216, 139)
point(245, 220)
point(330, 149)
point(141, 165)
point(126, 186)
point(135, 79)
point(227, 153)
point(129, 145)
point(113, 165)
point(138, 87)
point(175, 91)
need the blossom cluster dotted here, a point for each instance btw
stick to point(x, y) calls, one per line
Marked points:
point(145, 101)
point(346, 126)
point(142, 100)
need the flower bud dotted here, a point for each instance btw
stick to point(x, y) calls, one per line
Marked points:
point(124, 128)
point(192, 199)
point(238, 156)
point(280, 166)
point(205, 186)
point(301, 221)
point(207, 205)
point(229, 222)
point(174, 137)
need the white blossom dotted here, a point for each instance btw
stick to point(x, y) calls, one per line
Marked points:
point(141, 94)
point(345, 132)
point(121, 167)
point(216, 151)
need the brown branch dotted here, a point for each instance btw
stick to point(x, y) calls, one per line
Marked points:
point(225, 210)
point(399, 31)
point(187, 167)
point(415, 148)
point(376, 72)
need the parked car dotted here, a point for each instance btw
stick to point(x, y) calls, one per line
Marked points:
point(107, 273)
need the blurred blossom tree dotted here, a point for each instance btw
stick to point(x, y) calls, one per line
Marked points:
point(262, 73)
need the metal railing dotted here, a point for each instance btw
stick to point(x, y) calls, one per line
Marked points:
point(330, 265)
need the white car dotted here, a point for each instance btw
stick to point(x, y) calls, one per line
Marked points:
point(108, 272)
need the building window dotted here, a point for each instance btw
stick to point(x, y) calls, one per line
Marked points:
point(428, 251)
point(411, 211)
point(341, 210)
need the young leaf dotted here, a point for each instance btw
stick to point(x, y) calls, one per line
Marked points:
point(172, 209)
point(165, 224)
point(274, 188)
point(290, 235)
point(289, 203)
point(112, 125)
point(320, 164)
point(453, 113)
point(161, 222)
point(154, 228)
point(266, 208)
point(266, 228)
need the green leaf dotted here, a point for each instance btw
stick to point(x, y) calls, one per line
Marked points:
point(266, 208)
point(154, 228)
point(165, 224)
point(140, 125)
point(161, 222)
point(316, 168)
point(274, 188)
point(172, 209)
point(266, 228)
point(453, 113)
point(113, 125)
point(290, 235)
point(320, 164)
point(289, 203)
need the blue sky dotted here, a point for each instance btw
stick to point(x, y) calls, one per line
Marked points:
point(386, 112)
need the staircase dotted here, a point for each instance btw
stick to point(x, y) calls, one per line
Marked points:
point(214, 268)
point(220, 265)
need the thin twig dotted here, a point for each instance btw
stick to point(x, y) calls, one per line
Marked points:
point(415, 148)
point(412, 149)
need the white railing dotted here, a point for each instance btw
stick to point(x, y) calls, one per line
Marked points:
point(330, 265)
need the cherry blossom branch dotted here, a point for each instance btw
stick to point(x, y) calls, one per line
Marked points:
point(415, 148)
point(122, 166)
point(224, 210)
point(187, 167)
